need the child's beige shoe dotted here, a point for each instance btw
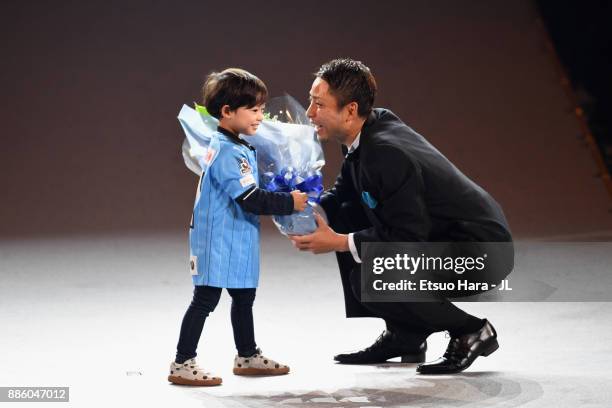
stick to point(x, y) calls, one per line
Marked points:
point(258, 364)
point(189, 373)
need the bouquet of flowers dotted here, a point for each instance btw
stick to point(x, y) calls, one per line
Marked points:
point(289, 155)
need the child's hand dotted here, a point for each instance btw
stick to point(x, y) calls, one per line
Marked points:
point(299, 200)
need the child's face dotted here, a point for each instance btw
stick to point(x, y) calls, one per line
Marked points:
point(245, 120)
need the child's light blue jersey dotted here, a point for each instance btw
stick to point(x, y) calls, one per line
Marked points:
point(224, 239)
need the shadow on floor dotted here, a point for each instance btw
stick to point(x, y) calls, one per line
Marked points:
point(478, 389)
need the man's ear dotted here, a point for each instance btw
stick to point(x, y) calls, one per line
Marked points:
point(353, 109)
point(226, 111)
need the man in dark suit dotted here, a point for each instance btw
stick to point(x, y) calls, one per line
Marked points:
point(395, 187)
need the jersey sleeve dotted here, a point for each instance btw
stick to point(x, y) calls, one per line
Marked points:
point(233, 171)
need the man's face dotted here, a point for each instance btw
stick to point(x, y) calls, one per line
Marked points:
point(330, 122)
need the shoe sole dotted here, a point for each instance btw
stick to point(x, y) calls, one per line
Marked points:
point(490, 350)
point(185, 381)
point(405, 359)
point(261, 371)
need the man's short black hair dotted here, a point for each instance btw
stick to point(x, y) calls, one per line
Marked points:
point(350, 81)
point(234, 87)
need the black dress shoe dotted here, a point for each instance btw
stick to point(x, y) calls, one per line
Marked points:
point(387, 345)
point(462, 351)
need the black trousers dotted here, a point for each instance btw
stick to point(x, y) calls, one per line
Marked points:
point(205, 300)
point(413, 321)
point(417, 320)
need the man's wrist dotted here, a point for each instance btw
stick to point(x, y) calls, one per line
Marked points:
point(343, 245)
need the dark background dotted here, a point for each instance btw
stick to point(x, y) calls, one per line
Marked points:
point(91, 90)
point(582, 35)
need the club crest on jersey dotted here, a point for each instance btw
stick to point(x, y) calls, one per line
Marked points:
point(245, 167)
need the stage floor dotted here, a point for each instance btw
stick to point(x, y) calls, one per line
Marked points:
point(101, 315)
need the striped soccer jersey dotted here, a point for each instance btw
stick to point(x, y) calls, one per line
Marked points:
point(223, 238)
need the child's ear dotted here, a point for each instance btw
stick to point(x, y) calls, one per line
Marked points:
point(226, 111)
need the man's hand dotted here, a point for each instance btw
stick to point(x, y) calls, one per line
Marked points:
point(299, 200)
point(323, 239)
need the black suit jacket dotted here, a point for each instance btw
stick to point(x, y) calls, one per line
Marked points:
point(416, 194)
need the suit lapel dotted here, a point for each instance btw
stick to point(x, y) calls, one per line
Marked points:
point(357, 168)
point(354, 167)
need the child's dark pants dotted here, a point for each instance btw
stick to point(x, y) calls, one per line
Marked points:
point(205, 299)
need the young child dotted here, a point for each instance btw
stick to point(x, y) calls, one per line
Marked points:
point(224, 232)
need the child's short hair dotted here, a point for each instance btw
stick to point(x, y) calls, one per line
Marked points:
point(234, 87)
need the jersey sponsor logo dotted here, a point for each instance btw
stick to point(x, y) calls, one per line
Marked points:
point(245, 167)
